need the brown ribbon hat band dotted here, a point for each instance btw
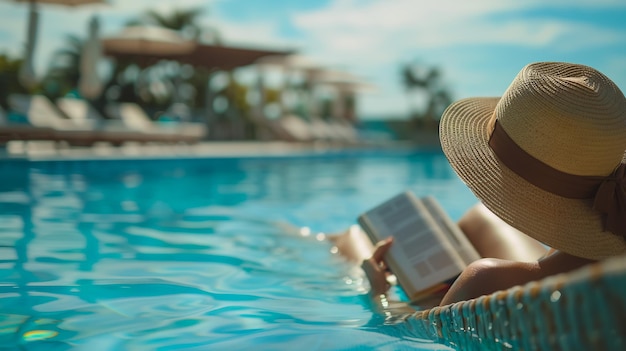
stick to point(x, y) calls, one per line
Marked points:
point(608, 193)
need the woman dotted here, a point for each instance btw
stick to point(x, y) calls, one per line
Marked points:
point(547, 158)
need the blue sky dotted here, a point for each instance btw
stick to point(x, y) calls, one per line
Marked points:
point(480, 45)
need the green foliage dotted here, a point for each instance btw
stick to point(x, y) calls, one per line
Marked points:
point(184, 21)
point(426, 84)
point(237, 95)
point(64, 72)
point(9, 83)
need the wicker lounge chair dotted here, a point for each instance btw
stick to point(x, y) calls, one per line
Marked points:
point(581, 310)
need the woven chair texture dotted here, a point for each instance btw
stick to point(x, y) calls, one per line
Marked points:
point(581, 310)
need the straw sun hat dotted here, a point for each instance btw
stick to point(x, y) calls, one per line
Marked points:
point(548, 156)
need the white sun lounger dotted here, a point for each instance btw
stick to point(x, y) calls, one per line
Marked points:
point(135, 118)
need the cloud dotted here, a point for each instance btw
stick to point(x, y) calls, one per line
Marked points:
point(255, 33)
point(468, 38)
point(386, 28)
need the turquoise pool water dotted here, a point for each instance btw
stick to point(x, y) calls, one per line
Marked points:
point(199, 254)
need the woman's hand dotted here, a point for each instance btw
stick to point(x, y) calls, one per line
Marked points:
point(375, 267)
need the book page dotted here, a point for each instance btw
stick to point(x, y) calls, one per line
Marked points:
point(421, 256)
point(455, 235)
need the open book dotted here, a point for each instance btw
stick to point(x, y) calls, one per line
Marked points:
point(429, 249)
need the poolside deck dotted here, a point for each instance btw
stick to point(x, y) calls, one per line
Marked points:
point(49, 151)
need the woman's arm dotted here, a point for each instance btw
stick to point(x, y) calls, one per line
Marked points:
point(489, 275)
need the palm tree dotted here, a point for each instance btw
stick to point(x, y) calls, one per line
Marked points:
point(64, 73)
point(9, 82)
point(431, 96)
point(184, 21)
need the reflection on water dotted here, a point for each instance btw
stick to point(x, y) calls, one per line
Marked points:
point(157, 255)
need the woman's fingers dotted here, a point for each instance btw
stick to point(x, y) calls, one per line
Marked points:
point(376, 276)
point(375, 268)
point(381, 249)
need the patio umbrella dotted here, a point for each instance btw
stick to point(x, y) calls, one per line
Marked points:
point(293, 61)
point(148, 40)
point(201, 55)
point(90, 84)
point(343, 79)
point(27, 72)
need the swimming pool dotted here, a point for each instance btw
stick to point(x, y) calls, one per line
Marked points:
point(199, 254)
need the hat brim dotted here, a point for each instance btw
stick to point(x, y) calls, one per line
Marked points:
point(569, 225)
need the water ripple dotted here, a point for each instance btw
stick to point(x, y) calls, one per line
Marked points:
point(196, 255)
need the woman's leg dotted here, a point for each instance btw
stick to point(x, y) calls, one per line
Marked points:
point(353, 244)
point(494, 238)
